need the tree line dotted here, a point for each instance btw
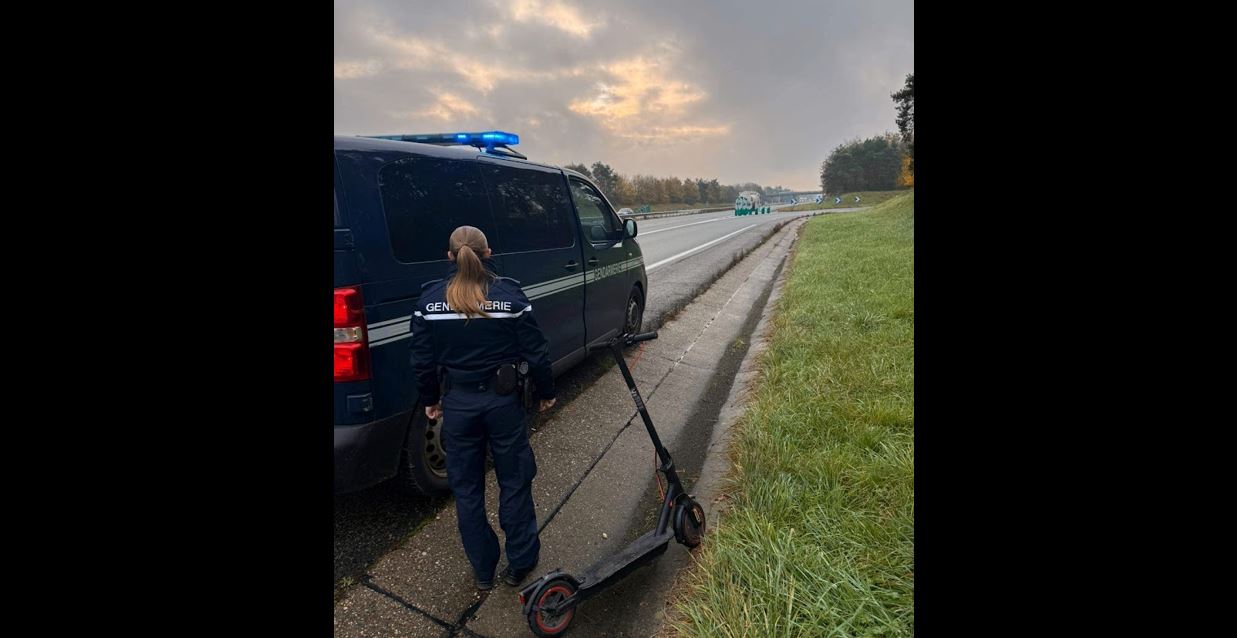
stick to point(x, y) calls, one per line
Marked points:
point(874, 164)
point(880, 163)
point(638, 190)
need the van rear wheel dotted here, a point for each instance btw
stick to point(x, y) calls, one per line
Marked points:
point(423, 464)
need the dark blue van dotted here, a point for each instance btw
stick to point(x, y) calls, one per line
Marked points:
point(396, 203)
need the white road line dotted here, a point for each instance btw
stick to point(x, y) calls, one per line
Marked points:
point(694, 250)
point(662, 230)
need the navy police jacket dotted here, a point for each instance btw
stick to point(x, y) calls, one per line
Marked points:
point(443, 337)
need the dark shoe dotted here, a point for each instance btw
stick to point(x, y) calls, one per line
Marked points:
point(485, 585)
point(514, 577)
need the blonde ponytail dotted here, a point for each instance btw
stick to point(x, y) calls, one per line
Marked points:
point(467, 290)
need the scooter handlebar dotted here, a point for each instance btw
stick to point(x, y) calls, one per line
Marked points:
point(641, 337)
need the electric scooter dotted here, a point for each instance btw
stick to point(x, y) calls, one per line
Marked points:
point(550, 601)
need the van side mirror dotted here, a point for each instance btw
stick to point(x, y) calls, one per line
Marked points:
point(629, 227)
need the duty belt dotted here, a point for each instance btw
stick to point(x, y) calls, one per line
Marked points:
point(485, 379)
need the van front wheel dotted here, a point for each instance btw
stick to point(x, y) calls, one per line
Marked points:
point(423, 465)
point(634, 317)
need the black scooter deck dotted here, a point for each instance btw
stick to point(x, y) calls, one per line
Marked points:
point(640, 551)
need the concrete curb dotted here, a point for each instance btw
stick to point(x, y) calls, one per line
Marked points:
point(717, 459)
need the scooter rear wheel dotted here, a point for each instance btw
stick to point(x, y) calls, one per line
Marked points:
point(544, 623)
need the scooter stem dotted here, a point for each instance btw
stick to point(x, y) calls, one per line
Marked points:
point(667, 463)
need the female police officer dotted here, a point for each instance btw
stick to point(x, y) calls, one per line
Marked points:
point(475, 326)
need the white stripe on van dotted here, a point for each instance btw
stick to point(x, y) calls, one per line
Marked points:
point(550, 282)
point(387, 332)
point(374, 344)
point(380, 324)
point(549, 293)
point(577, 280)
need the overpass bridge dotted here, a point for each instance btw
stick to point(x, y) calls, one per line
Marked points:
point(791, 197)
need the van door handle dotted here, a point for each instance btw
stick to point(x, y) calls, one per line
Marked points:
point(592, 262)
point(571, 265)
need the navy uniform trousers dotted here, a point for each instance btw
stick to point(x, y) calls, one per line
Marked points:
point(472, 419)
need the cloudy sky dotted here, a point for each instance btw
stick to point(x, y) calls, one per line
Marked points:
point(742, 91)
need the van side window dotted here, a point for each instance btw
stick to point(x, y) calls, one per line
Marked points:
point(532, 209)
point(425, 198)
point(596, 218)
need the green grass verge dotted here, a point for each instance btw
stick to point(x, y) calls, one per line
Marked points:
point(866, 198)
point(819, 538)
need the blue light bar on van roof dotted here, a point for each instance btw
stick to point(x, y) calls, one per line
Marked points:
point(484, 139)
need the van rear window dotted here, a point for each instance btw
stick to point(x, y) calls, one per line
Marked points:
point(531, 209)
point(426, 198)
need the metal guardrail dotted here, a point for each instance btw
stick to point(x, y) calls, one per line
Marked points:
point(674, 213)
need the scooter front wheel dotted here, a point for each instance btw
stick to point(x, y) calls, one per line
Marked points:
point(544, 622)
point(689, 523)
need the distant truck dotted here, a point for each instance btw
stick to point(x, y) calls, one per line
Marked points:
point(748, 203)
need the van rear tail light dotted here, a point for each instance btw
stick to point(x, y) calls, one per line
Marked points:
point(351, 362)
point(349, 311)
point(351, 349)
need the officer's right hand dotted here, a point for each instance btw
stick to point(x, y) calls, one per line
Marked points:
point(433, 411)
point(546, 404)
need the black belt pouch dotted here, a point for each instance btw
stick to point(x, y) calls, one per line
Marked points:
point(507, 379)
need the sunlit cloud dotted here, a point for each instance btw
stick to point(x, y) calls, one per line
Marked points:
point(411, 53)
point(641, 102)
point(447, 107)
point(352, 70)
point(559, 15)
